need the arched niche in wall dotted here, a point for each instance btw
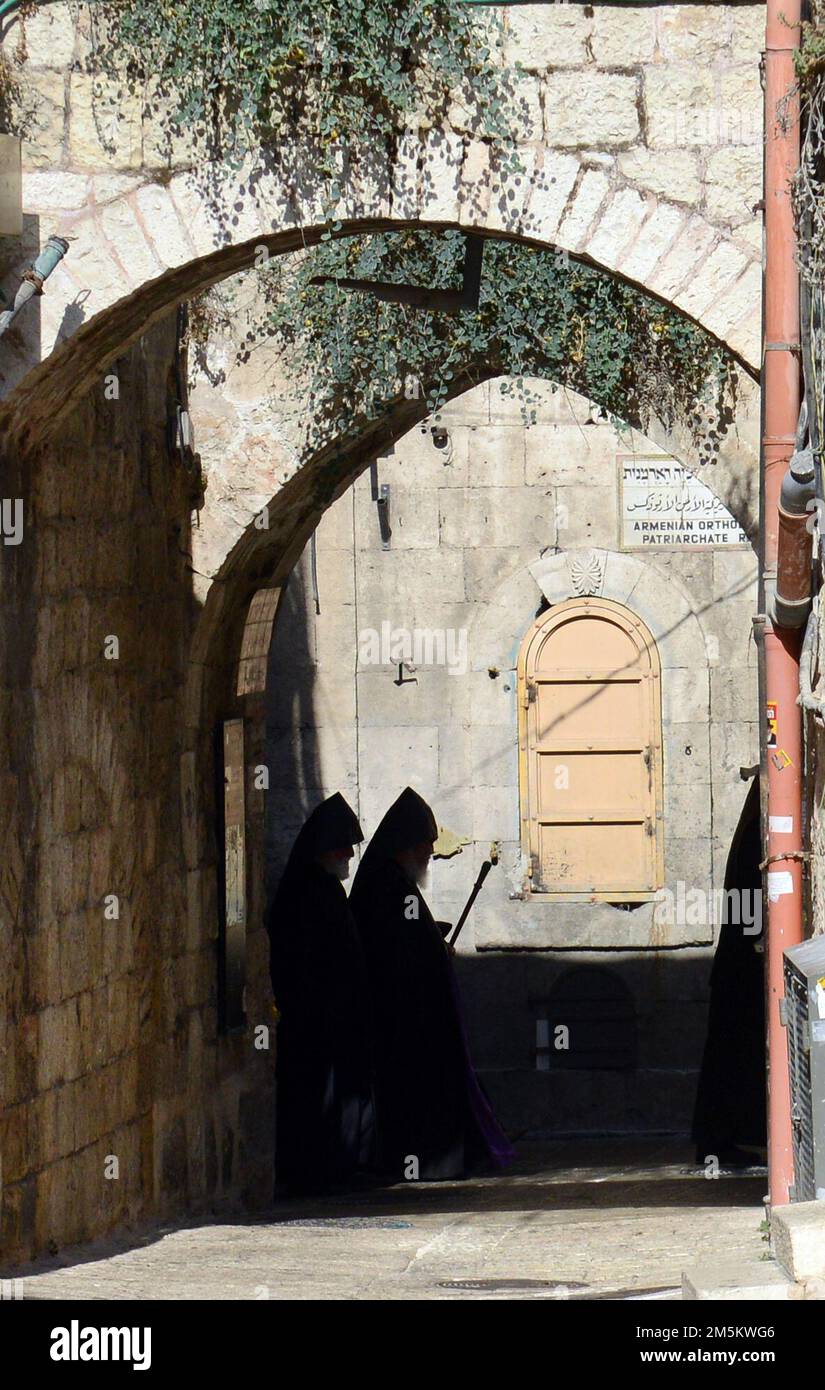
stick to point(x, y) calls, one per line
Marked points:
point(507, 918)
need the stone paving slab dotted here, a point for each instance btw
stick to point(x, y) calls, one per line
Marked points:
point(569, 1221)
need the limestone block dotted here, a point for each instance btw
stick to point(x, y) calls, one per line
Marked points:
point(406, 182)
point(492, 701)
point(689, 804)
point(546, 36)
point(733, 746)
point(589, 196)
point(738, 302)
point(104, 124)
point(509, 192)
point(367, 183)
point(494, 516)
point(689, 860)
point(681, 107)
point(728, 800)
point(335, 529)
point(496, 456)
point(733, 179)
point(126, 237)
point(476, 177)
point(412, 751)
point(417, 461)
point(595, 109)
point(744, 338)
point(50, 191)
point(735, 1281)
point(41, 118)
point(620, 575)
point(426, 697)
point(164, 226)
point(655, 238)
point(687, 753)
point(741, 107)
point(681, 639)
point(676, 177)
point(586, 515)
point(467, 410)
point(443, 156)
point(748, 33)
point(93, 267)
point(694, 34)
point(721, 268)
point(570, 453)
point(685, 695)
point(729, 623)
point(552, 574)
point(487, 570)
point(623, 36)
point(493, 757)
point(413, 516)
point(553, 178)
point(618, 226)
point(798, 1239)
point(454, 742)
point(48, 34)
point(495, 813)
point(733, 694)
point(165, 142)
point(689, 251)
point(523, 110)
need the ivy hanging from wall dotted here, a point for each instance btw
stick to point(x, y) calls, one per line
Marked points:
point(246, 74)
point(540, 314)
point(338, 75)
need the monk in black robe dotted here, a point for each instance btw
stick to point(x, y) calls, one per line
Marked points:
point(433, 1120)
point(730, 1102)
point(323, 1059)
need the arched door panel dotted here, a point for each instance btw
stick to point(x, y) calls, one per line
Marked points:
point(591, 754)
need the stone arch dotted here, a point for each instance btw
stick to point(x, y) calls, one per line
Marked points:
point(129, 306)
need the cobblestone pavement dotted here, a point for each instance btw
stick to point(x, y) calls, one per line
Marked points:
point(570, 1220)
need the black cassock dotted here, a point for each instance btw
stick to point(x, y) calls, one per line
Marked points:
point(730, 1101)
point(323, 1058)
point(428, 1101)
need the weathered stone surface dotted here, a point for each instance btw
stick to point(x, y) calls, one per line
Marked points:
point(104, 125)
point(681, 107)
point(733, 180)
point(596, 110)
point(623, 37)
point(676, 177)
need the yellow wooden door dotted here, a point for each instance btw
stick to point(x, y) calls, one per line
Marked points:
point(591, 753)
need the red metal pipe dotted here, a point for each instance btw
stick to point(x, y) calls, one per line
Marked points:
point(780, 410)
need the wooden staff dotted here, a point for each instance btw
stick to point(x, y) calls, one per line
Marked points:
point(482, 874)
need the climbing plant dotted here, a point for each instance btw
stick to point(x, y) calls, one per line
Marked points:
point(539, 314)
point(247, 74)
point(345, 78)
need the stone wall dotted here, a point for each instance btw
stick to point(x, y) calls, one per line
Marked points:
point(485, 529)
point(118, 1100)
point(640, 130)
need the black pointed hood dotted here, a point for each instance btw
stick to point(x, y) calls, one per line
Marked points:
point(332, 825)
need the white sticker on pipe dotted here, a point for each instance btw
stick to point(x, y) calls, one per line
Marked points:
point(780, 882)
point(780, 825)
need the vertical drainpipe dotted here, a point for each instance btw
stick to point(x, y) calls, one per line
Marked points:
point(781, 389)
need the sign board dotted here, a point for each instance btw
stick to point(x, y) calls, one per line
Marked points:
point(665, 506)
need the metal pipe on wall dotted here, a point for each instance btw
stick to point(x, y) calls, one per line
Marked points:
point(781, 392)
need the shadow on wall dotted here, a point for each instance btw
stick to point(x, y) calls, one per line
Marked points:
point(295, 774)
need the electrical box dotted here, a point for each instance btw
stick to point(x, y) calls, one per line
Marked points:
point(804, 1017)
point(11, 186)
